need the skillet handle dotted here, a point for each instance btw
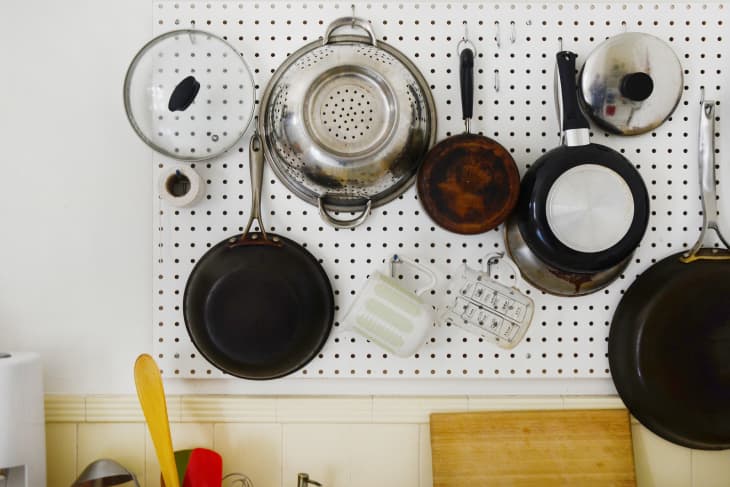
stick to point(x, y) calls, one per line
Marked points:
point(708, 188)
point(343, 224)
point(573, 124)
point(466, 83)
point(256, 163)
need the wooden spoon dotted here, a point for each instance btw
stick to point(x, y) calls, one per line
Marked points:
point(151, 396)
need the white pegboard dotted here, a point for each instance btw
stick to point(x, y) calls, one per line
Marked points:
point(568, 336)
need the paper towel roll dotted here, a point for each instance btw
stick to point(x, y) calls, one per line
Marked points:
point(22, 419)
point(181, 186)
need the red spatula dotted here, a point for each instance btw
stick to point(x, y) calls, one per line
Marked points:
point(205, 469)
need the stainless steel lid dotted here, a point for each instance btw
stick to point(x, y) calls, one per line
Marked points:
point(189, 95)
point(631, 83)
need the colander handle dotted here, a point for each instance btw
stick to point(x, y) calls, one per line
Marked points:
point(344, 224)
point(349, 22)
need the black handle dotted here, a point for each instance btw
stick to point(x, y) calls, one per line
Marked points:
point(466, 79)
point(637, 86)
point(572, 116)
point(183, 95)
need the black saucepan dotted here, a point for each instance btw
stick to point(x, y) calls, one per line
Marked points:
point(258, 305)
point(669, 342)
point(583, 207)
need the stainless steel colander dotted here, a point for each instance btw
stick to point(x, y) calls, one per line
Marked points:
point(346, 121)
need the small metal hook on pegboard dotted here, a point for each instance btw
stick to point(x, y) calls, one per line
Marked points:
point(464, 41)
point(513, 32)
point(190, 34)
point(497, 35)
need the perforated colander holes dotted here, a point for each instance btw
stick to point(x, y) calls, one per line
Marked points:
point(348, 113)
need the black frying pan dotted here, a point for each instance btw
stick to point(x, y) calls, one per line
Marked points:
point(258, 305)
point(577, 151)
point(564, 194)
point(669, 343)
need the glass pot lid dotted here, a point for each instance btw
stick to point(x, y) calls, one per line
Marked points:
point(189, 95)
point(631, 83)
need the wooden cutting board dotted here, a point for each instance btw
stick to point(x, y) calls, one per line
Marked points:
point(532, 448)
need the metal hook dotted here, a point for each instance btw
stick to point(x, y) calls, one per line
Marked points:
point(493, 260)
point(190, 34)
point(393, 261)
point(465, 41)
point(560, 40)
point(496, 80)
point(702, 95)
point(624, 26)
point(497, 36)
point(513, 32)
point(352, 8)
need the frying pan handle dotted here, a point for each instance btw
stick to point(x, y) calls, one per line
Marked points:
point(343, 224)
point(256, 163)
point(573, 123)
point(708, 189)
point(351, 22)
point(466, 82)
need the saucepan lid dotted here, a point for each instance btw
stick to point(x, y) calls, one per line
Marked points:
point(631, 83)
point(189, 94)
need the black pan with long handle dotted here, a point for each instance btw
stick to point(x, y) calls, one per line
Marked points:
point(583, 207)
point(669, 342)
point(258, 305)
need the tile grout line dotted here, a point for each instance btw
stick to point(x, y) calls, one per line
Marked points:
point(281, 455)
point(76, 450)
point(420, 457)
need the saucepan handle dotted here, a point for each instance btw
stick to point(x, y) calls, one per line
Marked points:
point(350, 22)
point(708, 187)
point(574, 125)
point(343, 224)
point(466, 84)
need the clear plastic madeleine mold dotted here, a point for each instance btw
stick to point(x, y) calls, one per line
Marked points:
point(479, 304)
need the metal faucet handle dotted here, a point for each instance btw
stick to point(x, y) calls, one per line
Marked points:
point(303, 480)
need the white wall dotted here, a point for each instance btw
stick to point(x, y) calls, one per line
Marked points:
point(75, 203)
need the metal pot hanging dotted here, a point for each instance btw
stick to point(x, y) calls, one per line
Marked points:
point(346, 121)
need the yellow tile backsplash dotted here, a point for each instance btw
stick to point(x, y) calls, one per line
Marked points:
point(61, 456)
point(348, 441)
point(253, 449)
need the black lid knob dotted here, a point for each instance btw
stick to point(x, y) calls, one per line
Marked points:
point(637, 86)
point(184, 94)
